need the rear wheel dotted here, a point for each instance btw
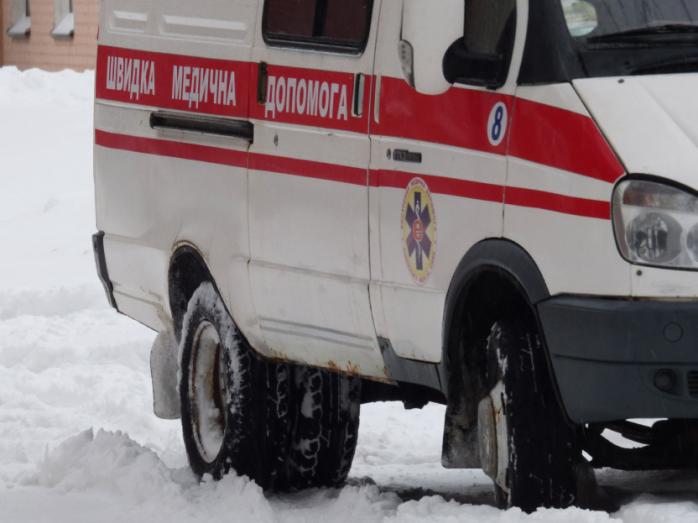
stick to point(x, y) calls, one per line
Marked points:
point(526, 446)
point(327, 427)
point(284, 426)
point(235, 407)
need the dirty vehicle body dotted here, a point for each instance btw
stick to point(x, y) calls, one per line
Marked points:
point(490, 204)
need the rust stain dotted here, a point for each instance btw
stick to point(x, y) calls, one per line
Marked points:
point(333, 366)
point(277, 357)
point(353, 369)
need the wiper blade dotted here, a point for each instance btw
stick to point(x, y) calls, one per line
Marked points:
point(649, 34)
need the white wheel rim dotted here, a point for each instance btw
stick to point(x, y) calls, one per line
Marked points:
point(498, 396)
point(494, 439)
point(207, 392)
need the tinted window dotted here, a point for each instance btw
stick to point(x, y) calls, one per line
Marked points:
point(489, 26)
point(335, 24)
point(483, 55)
point(290, 18)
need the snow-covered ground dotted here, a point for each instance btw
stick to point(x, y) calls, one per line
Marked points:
point(78, 440)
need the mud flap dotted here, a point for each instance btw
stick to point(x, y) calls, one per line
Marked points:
point(460, 446)
point(164, 370)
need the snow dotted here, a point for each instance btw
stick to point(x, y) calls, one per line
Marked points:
point(78, 440)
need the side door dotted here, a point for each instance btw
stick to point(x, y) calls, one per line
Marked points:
point(438, 171)
point(308, 191)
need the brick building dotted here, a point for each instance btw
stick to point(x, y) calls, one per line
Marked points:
point(50, 34)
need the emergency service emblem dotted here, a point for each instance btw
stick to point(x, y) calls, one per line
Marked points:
point(419, 230)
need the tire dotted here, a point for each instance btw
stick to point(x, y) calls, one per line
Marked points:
point(285, 426)
point(526, 445)
point(236, 411)
point(327, 427)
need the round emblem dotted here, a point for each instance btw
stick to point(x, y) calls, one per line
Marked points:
point(419, 230)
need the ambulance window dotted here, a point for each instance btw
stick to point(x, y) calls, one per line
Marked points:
point(290, 18)
point(483, 55)
point(337, 25)
point(347, 21)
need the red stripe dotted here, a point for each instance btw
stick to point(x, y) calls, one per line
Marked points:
point(113, 84)
point(441, 185)
point(245, 74)
point(562, 139)
point(217, 155)
point(308, 169)
point(537, 132)
point(496, 193)
point(357, 176)
point(558, 203)
point(458, 117)
point(184, 151)
point(281, 104)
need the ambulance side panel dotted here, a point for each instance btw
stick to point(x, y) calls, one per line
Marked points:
point(158, 187)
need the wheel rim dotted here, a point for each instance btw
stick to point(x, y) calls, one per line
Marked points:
point(493, 432)
point(207, 392)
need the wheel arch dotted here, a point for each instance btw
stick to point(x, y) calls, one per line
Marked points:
point(496, 277)
point(187, 271)
point(494, 272)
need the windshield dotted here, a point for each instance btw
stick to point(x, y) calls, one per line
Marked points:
point(604, 17)
point(625, 37)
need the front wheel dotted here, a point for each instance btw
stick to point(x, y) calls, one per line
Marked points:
point(526, 445)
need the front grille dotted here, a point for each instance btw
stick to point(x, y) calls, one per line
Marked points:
point(692, 380)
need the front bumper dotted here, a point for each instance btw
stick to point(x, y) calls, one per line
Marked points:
point(101, 263)
point(620, 359)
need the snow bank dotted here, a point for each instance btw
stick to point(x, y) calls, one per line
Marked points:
point(111, 464)
point(91, 468)
point(109, 461)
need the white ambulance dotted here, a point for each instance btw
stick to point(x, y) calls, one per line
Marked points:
point(491, 204)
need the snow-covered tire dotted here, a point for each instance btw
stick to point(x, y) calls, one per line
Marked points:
point(235, 407)
point(327, 427)
point(535, 456)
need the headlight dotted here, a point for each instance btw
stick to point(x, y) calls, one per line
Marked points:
point(656, 224)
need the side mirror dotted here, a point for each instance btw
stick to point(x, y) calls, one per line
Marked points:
point(429, 27)
point(462, 66)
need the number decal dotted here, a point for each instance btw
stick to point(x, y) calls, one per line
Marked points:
point(497, 124)
point(497, 127)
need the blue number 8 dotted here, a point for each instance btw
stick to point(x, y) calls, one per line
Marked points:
point(497, 127)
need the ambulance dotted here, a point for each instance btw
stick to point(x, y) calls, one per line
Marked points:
point(489, 204)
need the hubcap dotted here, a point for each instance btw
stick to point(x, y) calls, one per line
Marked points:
point(207, 392)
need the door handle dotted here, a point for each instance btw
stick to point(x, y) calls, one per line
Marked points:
point(359, 90)
point(203, 124)
point(262, 83)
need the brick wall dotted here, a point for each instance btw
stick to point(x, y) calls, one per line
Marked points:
point(42, 50)
point(2, 28)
